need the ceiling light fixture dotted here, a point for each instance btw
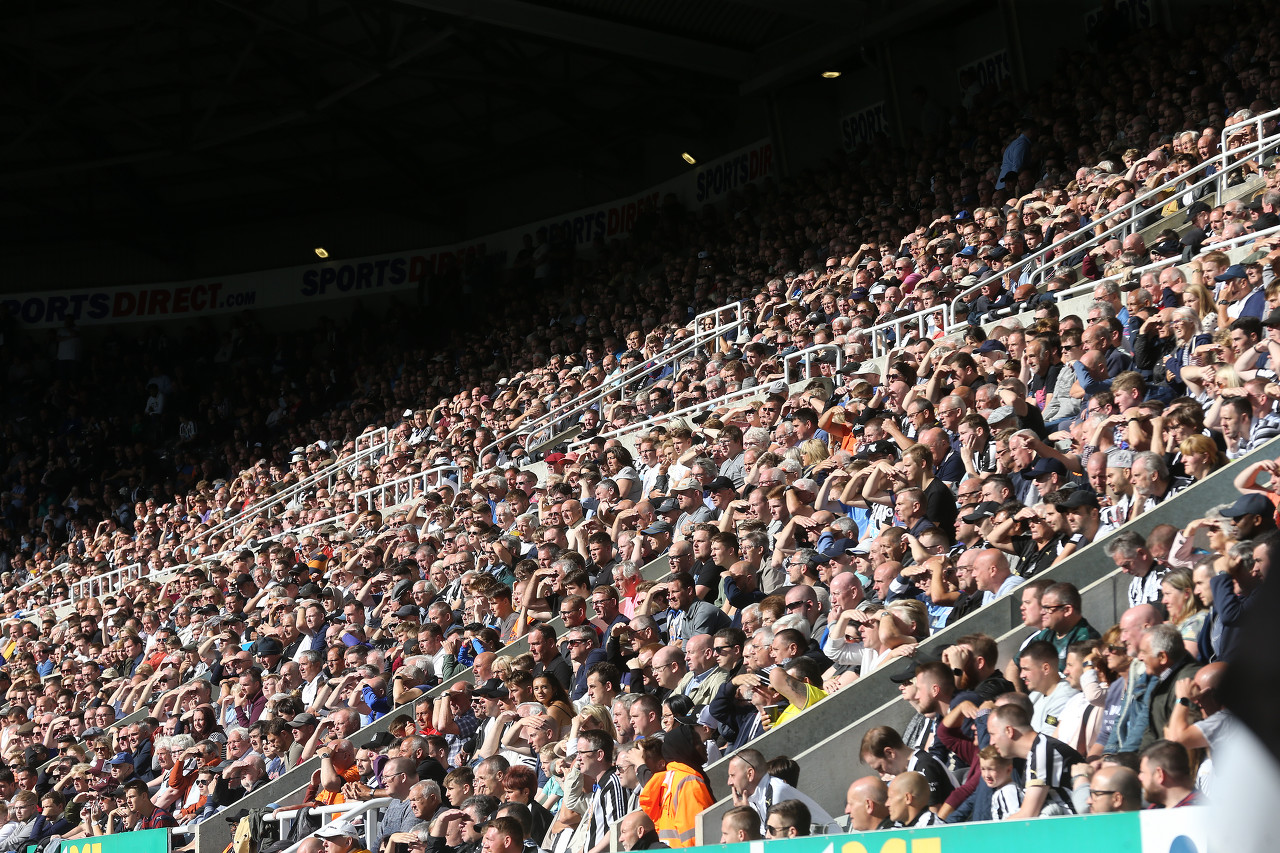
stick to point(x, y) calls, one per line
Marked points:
point(322, 252)
point(688, 158)
point(830, 75)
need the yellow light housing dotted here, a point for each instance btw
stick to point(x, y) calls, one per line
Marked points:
point(322, 252)
point(688, 158)
point(830, 75)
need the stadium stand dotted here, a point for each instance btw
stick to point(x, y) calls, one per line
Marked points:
point(965, 461)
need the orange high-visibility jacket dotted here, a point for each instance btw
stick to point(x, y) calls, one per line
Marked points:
point(673, 799)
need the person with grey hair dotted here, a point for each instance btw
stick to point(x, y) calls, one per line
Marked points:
point(1162, 652)
point(1129, 551)
point(1152, 480)
point(756, 438)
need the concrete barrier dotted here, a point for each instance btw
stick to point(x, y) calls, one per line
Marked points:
point(825, 739)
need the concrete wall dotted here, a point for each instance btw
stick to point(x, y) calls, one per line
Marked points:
point(826, 743)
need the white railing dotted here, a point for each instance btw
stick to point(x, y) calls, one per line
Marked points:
point(806, 357)
point(370, 810)
point(1239, 143)
point(401, 489)
point(376, 442)
point(887, 335)
point(1132, 221)
point(1083, 287)
point(706, 327)
point(654, 420)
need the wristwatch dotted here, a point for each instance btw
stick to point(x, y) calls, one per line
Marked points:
point(1184, 702)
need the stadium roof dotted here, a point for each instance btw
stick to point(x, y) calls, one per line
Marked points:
point(146, 121)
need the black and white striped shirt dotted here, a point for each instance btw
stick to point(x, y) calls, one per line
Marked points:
point(1049, 765)
point(608, 806)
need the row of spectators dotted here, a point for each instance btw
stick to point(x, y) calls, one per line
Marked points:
point(813, 537)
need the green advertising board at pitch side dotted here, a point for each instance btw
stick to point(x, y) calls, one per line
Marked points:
point(1155, 831)
point(142, 841)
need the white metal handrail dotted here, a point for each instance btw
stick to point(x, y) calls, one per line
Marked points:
point(886, 335)
point(805, 356)
point(1086, 286)
point(655, 420)
point(618, 384)
point(371, 810)
point(1235, 153)
point(377, 441)
point(545, 424)
point(400, 489)
point(1131, 221)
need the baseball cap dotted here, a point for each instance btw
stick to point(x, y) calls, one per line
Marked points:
point(1248, 505)
point(1120, 459)
point(1232, 272)
point(1273, 319)
point(720, 483)
point(999, 414)
point(656, 528)
point(121, 758)
point(981, 512)
point(1043, 467)
point(1080, 498)
point(492, 689)
point(268, 646)
point(303, 719)
point(666, 505)
point(882, 447)
point(337, 829)
point(991, 345)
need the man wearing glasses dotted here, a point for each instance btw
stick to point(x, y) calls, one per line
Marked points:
point(787, 819)
point(752, 786)
point(399, 775)
point(1063, 622)
point(609, 800)
point(583, 654)
point(1114, 788)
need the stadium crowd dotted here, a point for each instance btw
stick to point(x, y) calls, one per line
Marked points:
point(813, 534)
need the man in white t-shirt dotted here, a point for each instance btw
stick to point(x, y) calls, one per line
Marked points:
point(1049, 692)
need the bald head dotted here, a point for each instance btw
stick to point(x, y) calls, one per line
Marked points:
point(908, 796)
point(1116, 789)
point(990, 569)
point(1133, 621)
point(846, 591)
point(1211, 675)
point(866, 803)
point(912, 783)
point(632, 827)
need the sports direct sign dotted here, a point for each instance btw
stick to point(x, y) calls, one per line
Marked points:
point(381, 274)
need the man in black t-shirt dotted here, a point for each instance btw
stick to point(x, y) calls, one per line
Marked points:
point(884, 751)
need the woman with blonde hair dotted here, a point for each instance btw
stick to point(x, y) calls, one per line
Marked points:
point(1196, 297)
point(1186, 612)
point(812, 451)
point(597, 718)
point(1200, 456)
